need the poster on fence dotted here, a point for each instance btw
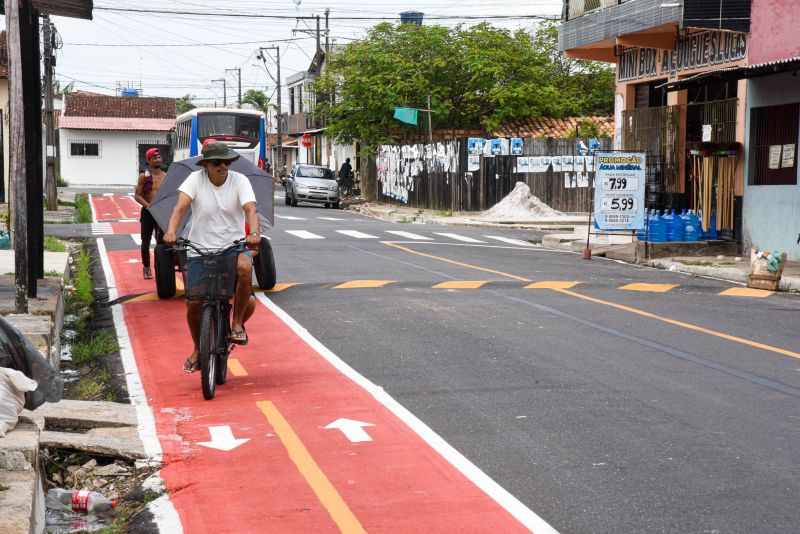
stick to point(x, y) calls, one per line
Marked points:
point(499, 147)
point(473, 163)
point(556, 161)
point(579, 165)
point(619, 190)
point(542, 164)
point(516, 146)
point(523, 164)
point(583, 179)
point(589, 163)
point(475, 146)
point(567, 164)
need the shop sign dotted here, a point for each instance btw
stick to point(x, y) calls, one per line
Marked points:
point(692, 51)
point(619, 190)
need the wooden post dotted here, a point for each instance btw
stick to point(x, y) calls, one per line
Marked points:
point(50, 179)
point(17, 156)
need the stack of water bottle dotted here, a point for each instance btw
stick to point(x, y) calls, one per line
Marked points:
point(671, 226)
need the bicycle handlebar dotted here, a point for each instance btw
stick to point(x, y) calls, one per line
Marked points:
point(184, 244)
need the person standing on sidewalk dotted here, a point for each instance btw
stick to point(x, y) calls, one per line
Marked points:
point(149, 181)
point(344, 176)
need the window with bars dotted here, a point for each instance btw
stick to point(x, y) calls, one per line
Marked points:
point(773, 144)
point(84, 149)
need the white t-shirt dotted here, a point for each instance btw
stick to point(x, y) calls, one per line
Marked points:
point(217, 215)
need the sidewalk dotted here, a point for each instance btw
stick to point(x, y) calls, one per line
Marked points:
point(569, 233)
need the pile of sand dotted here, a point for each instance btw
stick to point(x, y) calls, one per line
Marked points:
point(520, 205)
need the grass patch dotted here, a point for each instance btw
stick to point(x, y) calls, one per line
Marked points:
point(65, 203)
point(83, 212)
point(4, 488)
point(83, 279)
point(404, 220)
point(54, 244)
point(536, 240)
point(89, 388)
point(53, 273)
point(87, 349)
point(444, 213)
point(698, 263)
point(60, 182)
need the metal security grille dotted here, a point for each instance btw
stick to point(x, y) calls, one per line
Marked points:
point(655, 131)
point(774, 145)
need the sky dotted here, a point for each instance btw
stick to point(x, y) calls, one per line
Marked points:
point(167, 53)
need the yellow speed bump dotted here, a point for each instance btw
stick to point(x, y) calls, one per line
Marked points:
point(649, 288)
point(360, 284)
point(746, 292)
point(461, 284)
point(552, 285)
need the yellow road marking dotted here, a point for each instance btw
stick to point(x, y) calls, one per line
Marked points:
point(322, 487)
point(236, 368)
point(551, 285)
point(358, 284)
point(463, 284)
point(651, 288)
point(468, 266)
point(119, 209)
point(745, 292)
point(684, 325)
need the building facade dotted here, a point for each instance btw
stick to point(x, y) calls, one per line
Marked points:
point(103, 139)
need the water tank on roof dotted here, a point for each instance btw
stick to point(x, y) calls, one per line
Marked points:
point(411, 17)
point(129, 92)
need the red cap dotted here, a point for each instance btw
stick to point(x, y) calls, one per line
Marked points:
point(152, 152)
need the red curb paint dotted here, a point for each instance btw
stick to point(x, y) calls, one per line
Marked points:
point(396, 482)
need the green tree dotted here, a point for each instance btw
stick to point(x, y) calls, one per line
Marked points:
point(477, 78)
point(258, 99)
point(184, 103)
point(63, 91)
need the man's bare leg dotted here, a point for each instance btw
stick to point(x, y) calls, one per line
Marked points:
point(243, 301)
point(193, 319)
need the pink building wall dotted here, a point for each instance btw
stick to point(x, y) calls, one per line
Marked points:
point(774, 26)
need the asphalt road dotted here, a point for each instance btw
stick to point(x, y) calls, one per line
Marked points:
point(606, 397)
point(663, 409)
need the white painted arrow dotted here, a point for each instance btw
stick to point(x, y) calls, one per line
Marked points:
point(222, 439)
point(352, 430)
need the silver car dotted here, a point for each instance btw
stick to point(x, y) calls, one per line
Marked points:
point(312, 183)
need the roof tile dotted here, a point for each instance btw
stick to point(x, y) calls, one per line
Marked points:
point(550, 127)
point(86, 105)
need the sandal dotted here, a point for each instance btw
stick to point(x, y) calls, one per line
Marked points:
point(236, 337)
point(190, 365)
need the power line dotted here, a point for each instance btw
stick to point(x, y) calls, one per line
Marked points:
point(186, 44)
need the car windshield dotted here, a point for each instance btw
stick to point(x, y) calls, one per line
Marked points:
point(219, 125)
point(314, 172)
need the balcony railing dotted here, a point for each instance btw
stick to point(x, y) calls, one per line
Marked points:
point(302, 122)
point(578, 8)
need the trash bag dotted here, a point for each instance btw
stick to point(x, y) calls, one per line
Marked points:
point(17, 352)
point(13, 386)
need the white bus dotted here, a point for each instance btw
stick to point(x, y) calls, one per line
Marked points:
point(243, 130)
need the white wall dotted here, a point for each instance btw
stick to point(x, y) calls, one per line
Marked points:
point(118, 163)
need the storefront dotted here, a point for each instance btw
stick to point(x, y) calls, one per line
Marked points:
point(694, 136)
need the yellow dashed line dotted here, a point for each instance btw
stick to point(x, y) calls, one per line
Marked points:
point(746, 292)
point(551, 285)
point(358, 284)
point(236, 368)
point(322, 487)
point(465, 284)
point(651, 288)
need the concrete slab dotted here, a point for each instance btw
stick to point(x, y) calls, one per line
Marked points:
point(37, 328)
point(53, 261)
point(86, 414)
point(19, 449)
point(94, 444)
point(17, 502)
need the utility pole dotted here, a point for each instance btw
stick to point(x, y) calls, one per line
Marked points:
point(327, 33)
point(51, 190)
point(17, 157)
point(239, 72)
point(318, 40)
point(278, 89)
point(224, 91)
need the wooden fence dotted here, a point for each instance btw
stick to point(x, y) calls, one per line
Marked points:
point(452, 187)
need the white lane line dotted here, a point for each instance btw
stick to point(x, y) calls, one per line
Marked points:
point(128, 220)
point(494, 490)
point(409, 235)
point(460, 237)
point(357, 234)
point(290, 218)
point(303, 234)
point(108, 194)
point(166, 516)
point(329, 219)
point(91, 205)
point(137, 238)
point(519, 242)
point(102, 228)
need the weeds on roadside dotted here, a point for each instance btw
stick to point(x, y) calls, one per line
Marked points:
point(60, 182)
point(54, 244)
point(89, 388)
point(53, 273)
point(83, 212)
point(87, 349)
point(83, 279)
point(444, 213)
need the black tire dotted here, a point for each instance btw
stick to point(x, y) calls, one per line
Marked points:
point(264, 265)
point(165, 271)
point(336, 205)
point(286, 198)
point(223, 334)
point(294, 201)
point(208, 349)
point(327, 205)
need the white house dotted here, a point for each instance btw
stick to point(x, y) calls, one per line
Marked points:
point(103, 139)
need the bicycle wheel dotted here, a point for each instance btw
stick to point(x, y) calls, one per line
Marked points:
point(223, 349)
point(208, 350)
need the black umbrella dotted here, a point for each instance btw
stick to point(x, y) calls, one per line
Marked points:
point(167, 195)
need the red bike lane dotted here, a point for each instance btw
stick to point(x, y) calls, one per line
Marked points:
point(292, 474)
point(113, 207)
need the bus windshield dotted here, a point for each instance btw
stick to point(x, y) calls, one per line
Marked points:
point(227, 125)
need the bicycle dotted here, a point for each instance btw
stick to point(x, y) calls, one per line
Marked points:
point(210, 277)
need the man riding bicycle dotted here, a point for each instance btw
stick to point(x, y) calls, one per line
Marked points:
point(221, 201)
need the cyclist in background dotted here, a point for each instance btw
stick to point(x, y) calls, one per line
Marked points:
point(221, 201)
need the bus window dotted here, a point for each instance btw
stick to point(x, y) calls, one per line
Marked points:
point(221, 126)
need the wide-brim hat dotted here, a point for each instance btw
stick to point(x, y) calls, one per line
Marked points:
point(217, 150)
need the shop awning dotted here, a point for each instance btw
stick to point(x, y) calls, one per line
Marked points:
point(734, 73)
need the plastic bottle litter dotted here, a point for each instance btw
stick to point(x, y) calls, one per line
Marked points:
point(80, 502)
